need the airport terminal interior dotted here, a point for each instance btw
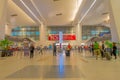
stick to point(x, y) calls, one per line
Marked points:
point(59, 40)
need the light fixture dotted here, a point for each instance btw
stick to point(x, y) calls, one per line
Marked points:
point(78, 3)
point(13, 19)
point(16, 7)
point(87, 11)
point(55, 0)
point(107, 19)
point(14, 15)
point(58, 14)
point(37, 10)
point(30, 11)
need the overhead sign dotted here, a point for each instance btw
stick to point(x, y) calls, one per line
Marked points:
point(55, 37)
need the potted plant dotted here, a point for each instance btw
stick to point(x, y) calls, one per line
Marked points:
point(4, 44)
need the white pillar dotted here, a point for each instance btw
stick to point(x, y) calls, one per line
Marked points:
point(42, 34)
point(3, 5)
point(78, 34)
point(8, 29)
point(115, 19)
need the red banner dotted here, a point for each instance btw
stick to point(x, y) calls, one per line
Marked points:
point(65, 37)
point(53, 37)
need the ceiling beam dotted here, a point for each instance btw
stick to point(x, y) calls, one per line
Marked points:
point(34, 5)
point(30, 11)
point(87, 11)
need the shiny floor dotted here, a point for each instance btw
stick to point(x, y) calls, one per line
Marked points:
point(79, 66)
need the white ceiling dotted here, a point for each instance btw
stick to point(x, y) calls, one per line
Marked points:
point(98, 13)
point(21, 17)
point(47, 10)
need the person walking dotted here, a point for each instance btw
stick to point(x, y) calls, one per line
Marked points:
point(32, 51)
point(41, 50)
point(114, 50)
point(96, 49)
point(26, 50)
point(54, 49)
point(69, 47)
point(102, 50)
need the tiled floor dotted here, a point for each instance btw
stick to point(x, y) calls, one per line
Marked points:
point(60, 67)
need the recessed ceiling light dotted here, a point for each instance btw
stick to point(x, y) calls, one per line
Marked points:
point(105, 13)
point(55, 0)
point(14, 15)
point(58, 14)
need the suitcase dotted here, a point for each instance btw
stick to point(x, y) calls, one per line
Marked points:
point(2, 54)
point(67, 53)
point(108, 56)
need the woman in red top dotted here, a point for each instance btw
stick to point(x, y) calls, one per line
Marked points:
point(68, 50)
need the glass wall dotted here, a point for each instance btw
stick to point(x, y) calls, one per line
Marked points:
point(53, 31)
point(31, 32)
point(89, 31)
point(64, 29)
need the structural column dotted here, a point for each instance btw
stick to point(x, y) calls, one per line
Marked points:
point(3, 5)
point(8, 29)
point(115, 19)
point(42, 34)
point(78, 34)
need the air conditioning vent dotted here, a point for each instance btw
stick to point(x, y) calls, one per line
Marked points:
point(58, 14)
point(105, 13)
point(55, 0)
point(14, 15)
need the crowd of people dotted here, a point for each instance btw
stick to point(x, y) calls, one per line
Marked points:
point(28, 50)
point(103, 49)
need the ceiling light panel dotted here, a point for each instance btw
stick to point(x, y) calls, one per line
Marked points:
point(56, 0)
point(42, 7)
point(28, 8)
point(92, 5)
point(76, 9)
point(37, 9)
point(30, 11)
point(15, 10)
point(59, 14)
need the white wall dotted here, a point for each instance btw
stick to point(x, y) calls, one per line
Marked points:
point(8, 29)
point(3, 6)
point(115, 27)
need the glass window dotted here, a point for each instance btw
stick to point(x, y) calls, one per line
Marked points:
point(37, 33)
point(84, 37)
point(13, 34)
point(91, 31)
point(26, 31)
point(17, 28)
